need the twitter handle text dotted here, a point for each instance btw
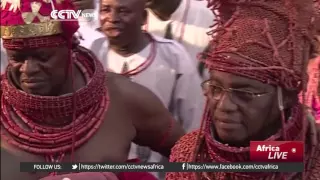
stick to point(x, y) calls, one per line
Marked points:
point(123, 167)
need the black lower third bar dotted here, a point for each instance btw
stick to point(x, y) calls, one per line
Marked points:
point(45, 167)
point(161, 167)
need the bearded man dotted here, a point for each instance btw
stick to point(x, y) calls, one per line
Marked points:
point(58, 104)
point(255, 62)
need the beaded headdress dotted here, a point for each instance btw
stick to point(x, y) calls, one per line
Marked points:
point(27, 23)
point(272, 37)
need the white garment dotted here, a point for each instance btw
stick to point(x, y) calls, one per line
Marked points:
point(196, 24)
point(171, 76)
point(97, 12)
point(88, 31)
point(4, 59)
point(88, 28)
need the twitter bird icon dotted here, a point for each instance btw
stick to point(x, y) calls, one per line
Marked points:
point(74, 166)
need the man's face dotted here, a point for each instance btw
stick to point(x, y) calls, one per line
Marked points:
point(121, 19)
point(240, 107)
point(38, 71)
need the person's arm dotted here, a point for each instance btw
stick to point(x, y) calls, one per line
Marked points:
point(154, 125)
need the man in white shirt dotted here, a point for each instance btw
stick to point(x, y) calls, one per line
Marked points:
point(188, 20)
point(159, 64)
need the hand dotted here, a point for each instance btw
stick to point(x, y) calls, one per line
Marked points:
point(83, 176)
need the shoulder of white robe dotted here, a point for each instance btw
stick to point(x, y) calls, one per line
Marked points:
point(178, 54)
point(202, 14)
point(89, 35)
point(100, 47)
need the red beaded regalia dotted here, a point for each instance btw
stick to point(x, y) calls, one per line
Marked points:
point(273, 39)
point(27, 25)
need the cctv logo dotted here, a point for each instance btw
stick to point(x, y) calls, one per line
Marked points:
point(69, 15)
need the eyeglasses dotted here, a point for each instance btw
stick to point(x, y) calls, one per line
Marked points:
point(239, 96)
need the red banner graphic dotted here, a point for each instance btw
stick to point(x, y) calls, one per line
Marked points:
point(276, 151)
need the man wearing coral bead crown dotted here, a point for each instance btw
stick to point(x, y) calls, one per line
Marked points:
point(58, 104)
point(256, 72)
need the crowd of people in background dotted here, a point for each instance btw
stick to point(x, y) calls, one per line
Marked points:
point(150, 77)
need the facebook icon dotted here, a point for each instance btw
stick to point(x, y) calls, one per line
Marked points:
point(183, 166)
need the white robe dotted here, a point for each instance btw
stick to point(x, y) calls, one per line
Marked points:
point(196, 24)
point(88, 32)
point(88, 28)
point(171, 76)
point(4, 59)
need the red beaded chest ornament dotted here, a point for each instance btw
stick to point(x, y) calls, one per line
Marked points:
point(28, 25)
